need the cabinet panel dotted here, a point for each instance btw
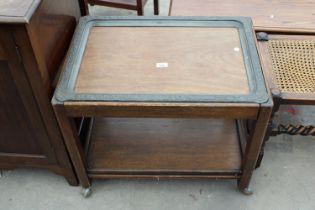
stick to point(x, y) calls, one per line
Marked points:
point(50, 31)
point(22, 131)
point(17, 136)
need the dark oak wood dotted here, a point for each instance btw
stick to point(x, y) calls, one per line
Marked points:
point(184, 50)
point(163, 138)
point(123, 4)
point(156, 6)
point(163, 176)
point(56, 24)
point(31, 50)
point(12, 160)
point(168, 110)
point(18, 119)
point(84, 7)
point(120, 145)
point(72, 141)
point(273, 15)
point(244, 134)
point(103, 150)
point(17, 91)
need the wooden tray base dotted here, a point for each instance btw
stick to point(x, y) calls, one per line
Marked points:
point(167, 148)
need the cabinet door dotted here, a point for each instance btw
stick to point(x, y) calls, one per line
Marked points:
point(23, 138)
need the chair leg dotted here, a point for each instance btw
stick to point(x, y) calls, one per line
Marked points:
point(140, 11)
point(84, 7)
point(156, 7)
point(139, 7)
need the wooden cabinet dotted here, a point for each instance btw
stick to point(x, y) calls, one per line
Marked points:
point(34, 37)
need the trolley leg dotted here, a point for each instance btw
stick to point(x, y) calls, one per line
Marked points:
point(253, 148)
point(73, 144)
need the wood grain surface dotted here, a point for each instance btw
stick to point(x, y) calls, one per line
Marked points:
point(167, 110)
point(186, 145)
point(2, 53)
point(121, 60)
point(266, 14)
point(18, 119)
point(50, 31)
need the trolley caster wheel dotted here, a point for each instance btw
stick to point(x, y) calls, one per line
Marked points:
point(86, 192)
point(247, 191)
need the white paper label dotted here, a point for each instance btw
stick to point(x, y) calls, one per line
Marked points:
point(236, 49)
point(161, 65)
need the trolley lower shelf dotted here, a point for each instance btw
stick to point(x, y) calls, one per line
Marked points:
point(164, 148)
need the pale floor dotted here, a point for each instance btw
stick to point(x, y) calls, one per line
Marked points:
point(285, 181)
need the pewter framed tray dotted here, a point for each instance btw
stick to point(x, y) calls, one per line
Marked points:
point(66, 89)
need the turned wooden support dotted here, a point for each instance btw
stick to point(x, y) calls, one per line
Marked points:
point(293, 130)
